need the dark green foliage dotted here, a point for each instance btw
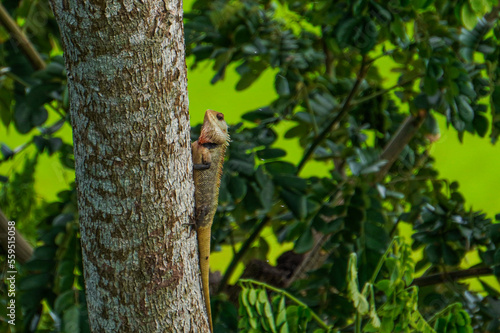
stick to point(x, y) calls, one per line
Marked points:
point(347, 75)
point(325, 52)
point(55, 274)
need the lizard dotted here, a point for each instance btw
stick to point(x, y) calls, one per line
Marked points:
point(208, 158)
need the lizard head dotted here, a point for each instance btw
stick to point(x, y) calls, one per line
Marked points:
point(214, 129)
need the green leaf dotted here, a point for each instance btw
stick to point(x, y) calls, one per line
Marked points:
point(344, 30)
point(270, 153)
point(281, 85)
point(66, 268)
point(305, 242)
point(266, 195)
point(281, 316)
point(242, 34)
point(450, 257)
point(478, 6)
point(262, 296)
point(39, 265)
point(6, 97)
point(22, 117)
point(35, 281)
point(430, 85)
point(290, 181)
point(385, 286)
point(61, 219)
point(71, 319)
point(45, 252)
point(245, 167)
point(252, 296)
point(481, 124)
point(366, 38)
point(434, 253)
point(40, 94)
point(38, 116)
point(65, 283)
point(469, 18)
point(296, 202)
point(6, 151)
point(265, 136)
point(464, 109)
point(299, 130)
point(54, 144)
point(246, 80)
point(259, 115)
point(269, 316)
point(244, 297)
point(237, 187)
point(250, 49)
point(292, 313)
point(421, 102)
point(280, 167)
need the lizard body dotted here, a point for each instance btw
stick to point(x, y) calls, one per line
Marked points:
point(208, 159)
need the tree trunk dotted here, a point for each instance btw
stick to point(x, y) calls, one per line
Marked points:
point(129, 110)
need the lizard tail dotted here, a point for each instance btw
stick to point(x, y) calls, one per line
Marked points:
point(204, 235)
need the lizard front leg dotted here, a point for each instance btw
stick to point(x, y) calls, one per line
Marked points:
point(201, 157)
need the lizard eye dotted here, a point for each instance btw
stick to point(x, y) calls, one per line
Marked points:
point(220, 116)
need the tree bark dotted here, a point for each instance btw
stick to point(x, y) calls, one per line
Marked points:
point(129, 109)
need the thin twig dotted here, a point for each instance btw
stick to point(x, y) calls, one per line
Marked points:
point(385, 91)
point(23, 42)
point(451, 276)
point(24, 250)
point(244, 248)
point(399, 140)
point(343, 111)
point(44, 130)
point(289, 296)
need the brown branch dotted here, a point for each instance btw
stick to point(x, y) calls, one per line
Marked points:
point(343, 111)
point(399, 140)
point(452, 276)
point(390, 153)
point(385, 91)
point(492, 16)
point(242, 251)
point(23, 249)
point(328, 54)
point(23, 42)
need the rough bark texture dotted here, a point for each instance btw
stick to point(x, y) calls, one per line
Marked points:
point(129, 110)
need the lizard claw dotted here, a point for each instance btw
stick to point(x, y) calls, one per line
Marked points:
point(192, 224)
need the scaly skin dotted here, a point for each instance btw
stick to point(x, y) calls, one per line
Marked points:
point(208, 158)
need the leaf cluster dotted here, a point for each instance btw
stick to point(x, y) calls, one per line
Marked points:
point(330, 61)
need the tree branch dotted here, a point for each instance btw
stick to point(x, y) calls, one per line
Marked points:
point(23, 249)
point(328, 54)
point(244, 248)
point(23, 42)
point(384, 91)
point(452, 276)
point(43, 130)
point(343, 111)
point(399, 140)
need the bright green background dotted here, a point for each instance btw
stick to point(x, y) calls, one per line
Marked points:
point(473, 164)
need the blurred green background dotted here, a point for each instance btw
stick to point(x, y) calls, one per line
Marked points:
point(473, 163)
point(454, 160)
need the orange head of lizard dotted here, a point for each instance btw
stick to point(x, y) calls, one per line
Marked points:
point(214, 129)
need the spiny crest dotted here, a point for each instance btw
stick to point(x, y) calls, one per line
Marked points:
point(219, 172)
